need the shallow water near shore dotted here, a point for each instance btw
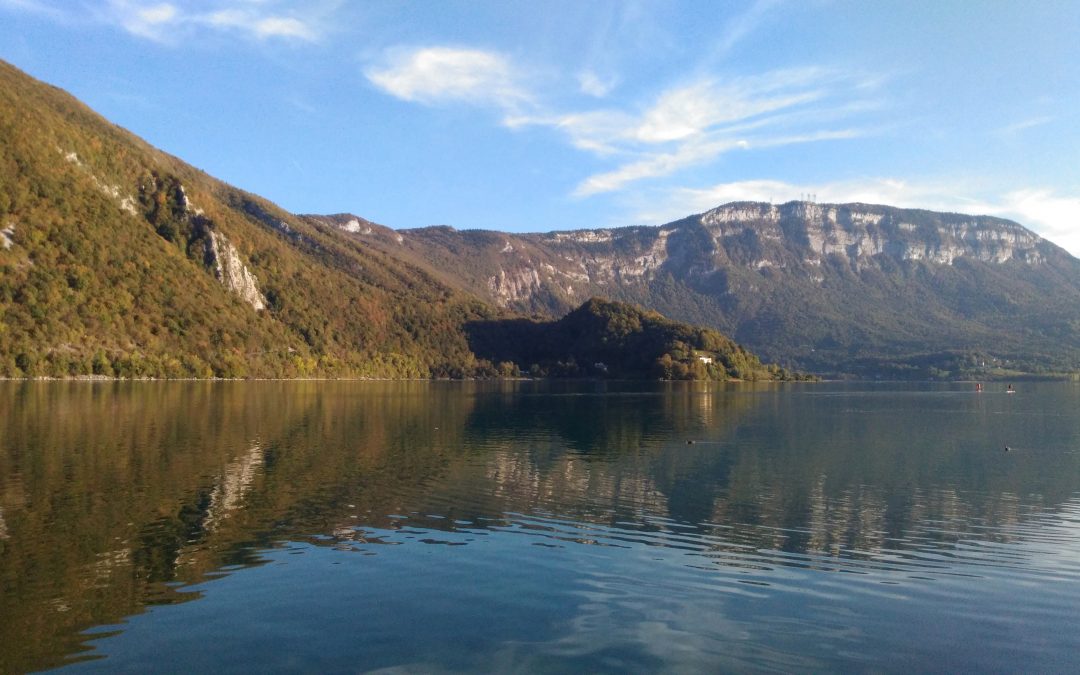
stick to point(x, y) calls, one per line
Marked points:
point(538, 526)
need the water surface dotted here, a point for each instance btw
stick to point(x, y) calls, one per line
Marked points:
point(539, 527)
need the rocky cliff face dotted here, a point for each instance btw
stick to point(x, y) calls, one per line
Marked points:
point(526, 271)
point(231, 271)
point(858, 233)
point(7, 235)
point(828, 286)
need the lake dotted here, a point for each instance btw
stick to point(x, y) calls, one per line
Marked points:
point(538, 527)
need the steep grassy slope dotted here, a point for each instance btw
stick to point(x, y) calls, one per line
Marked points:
point(117, 259)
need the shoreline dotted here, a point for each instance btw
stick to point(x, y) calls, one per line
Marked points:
point(103, 378)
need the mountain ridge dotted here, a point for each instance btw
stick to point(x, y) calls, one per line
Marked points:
point(119, 260)
point(856, 289)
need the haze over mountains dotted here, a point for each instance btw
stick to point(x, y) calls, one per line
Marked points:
point(117, 259)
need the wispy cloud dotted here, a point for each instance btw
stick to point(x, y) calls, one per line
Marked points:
point(145, 21)
point(1024, 125)
point(696, 123)
point(593, 85)
point(740, 26)
point(261, 26)
point(172, 21)
point(690, 154)
point(433, 75)
point(656, 164)
point(32, 7)
point(691, 110)
point(1051, 214)
point(690, 124)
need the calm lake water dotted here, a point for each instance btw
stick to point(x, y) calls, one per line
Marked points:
point(538, 527)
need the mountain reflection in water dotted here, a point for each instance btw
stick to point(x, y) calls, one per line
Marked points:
point(718, 517)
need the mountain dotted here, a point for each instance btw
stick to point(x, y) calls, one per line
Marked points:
point(119, 260)
point(840, 289)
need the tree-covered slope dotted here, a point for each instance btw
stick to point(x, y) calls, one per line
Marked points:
point(614, 339)
point(117, 259)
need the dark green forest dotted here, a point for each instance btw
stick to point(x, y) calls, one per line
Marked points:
point(613, 339)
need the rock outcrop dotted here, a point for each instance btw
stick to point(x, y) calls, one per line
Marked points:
point(232, 272)
point(7, 235)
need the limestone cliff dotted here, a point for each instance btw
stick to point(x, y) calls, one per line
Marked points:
point(231, 271)
point(832, 287)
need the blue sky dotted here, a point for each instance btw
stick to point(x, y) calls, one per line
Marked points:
point(536, 116)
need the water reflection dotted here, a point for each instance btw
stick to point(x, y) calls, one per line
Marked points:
point(115, 497)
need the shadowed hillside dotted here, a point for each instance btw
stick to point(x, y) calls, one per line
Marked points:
point(612, 339)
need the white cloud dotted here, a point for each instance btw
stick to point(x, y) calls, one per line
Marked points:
point(432, 75)
point(168, 22)
point(1053, 216)
point(601, 132)
point(690, 111)
point(690, 124)
point(283, 26)
point(656, 164)
point(258, 25)
point(741, 26)
point(689, 154)
point(685, 125)
point(694, 108)
point(593, 85)
point(697, 123)
point(146, 21)
point(157, 14)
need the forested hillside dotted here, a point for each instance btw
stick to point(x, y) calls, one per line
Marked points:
point(118, 260)
point(604, 338)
